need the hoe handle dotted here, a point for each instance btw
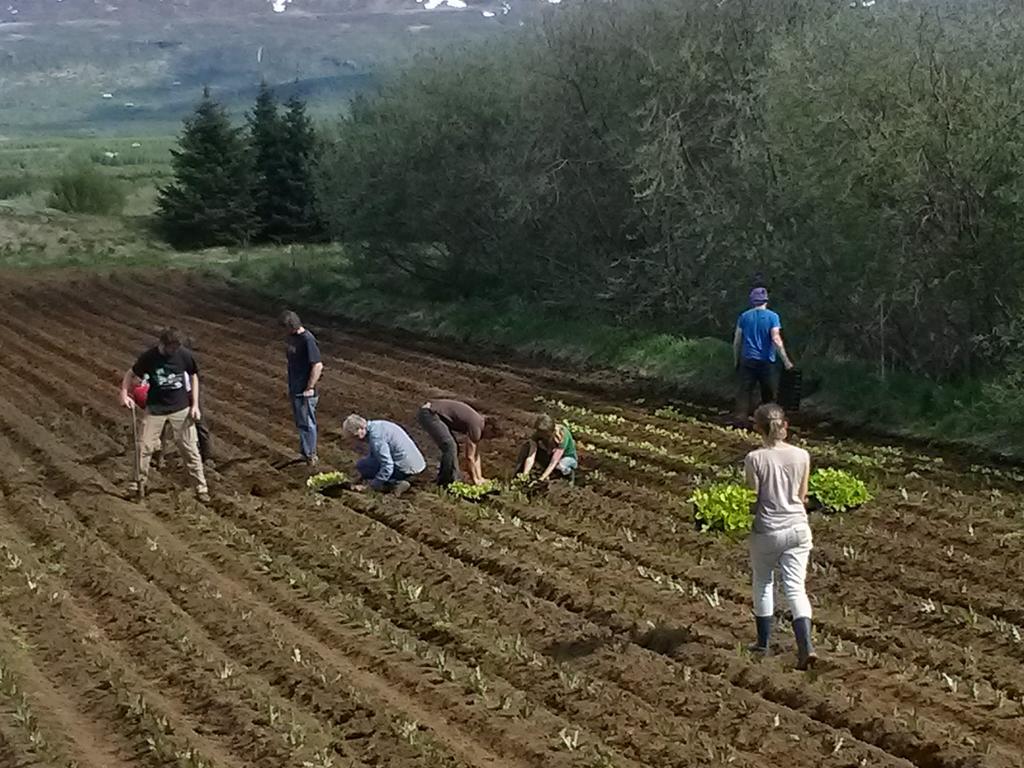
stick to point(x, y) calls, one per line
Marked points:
point(135, 446)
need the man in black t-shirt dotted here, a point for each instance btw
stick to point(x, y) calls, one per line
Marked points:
point(173, 398)
point(304, 369)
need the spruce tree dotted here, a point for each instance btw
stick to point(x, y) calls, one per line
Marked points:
point(209, 202)
point(269, 145)
point(303, 212)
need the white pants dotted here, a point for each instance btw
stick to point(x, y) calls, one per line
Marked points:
point(788, 550)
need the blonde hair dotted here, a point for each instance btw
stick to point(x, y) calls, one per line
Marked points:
point(770, 421)
point(351, 426)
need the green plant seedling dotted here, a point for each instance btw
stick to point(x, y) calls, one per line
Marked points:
point(323, 481)
point(470, 492)
point(724, 508)
point(837, 490)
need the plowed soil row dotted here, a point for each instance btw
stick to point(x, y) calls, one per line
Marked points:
point(590, 626)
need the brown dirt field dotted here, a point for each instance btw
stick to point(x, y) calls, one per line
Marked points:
point(588, 627)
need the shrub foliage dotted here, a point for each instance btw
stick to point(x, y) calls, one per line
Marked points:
point(649, 161)
point(85, 189)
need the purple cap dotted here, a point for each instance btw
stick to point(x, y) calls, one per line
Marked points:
point(759, 296)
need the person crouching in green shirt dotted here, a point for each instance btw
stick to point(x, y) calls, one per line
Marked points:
point(551, 446)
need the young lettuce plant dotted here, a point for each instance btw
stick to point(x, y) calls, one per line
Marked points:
point(837, 490)
point(471, 492)
point(724, 508)
point(318, 482)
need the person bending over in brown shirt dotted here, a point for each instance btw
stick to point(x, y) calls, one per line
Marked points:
point(444, 420)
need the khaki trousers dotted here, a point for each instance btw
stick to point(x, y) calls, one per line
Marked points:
point(166, 437)
point(186, 438)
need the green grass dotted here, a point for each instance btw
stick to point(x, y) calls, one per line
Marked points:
point(975, 413)
point(53, 240)
point(29, 166)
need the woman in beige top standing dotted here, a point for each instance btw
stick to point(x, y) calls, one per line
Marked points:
point(781, 539)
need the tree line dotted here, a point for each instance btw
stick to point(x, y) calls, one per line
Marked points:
point(239, 185)
point(646, 163)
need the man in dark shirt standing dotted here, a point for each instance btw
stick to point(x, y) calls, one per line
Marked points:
point(173, 398)
point(443, 420)
point(304, 369)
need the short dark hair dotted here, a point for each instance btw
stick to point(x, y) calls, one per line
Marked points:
point(544, 427)
point(170, 337)
point(290, 320)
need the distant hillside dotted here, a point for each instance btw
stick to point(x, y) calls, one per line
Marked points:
point(130, 66)
point(155, 11)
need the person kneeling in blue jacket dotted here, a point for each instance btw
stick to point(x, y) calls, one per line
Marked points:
point(393, 457)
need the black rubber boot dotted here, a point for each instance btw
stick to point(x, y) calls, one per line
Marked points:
point(764, 634)
point(805, 655)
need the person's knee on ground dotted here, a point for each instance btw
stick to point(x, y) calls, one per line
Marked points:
point(567, 466)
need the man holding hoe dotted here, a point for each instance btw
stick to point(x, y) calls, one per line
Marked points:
point(172, 398)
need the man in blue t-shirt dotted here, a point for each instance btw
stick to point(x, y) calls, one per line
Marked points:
point(304, 369)
point(756, 345)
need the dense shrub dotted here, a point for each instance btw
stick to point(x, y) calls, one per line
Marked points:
point(13, 186)
point(85, 189)
point(649, 161)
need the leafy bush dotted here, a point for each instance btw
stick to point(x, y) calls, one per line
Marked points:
point(657, 157)
point(471, 492)
point(84, 189)
point(837, 490)
point(724, 507)
point(318, 482)
point(12, 186)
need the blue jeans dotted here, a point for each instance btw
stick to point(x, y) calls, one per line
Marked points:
point(304, 410)
point(368, 467)
point(567, 465)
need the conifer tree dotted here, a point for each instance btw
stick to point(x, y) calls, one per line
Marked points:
point(269, 147)
point(300, 185)
point(209, 202)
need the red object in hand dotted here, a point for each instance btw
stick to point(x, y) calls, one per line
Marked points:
point(140, 394)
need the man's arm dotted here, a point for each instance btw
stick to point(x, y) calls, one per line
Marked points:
point(316, 365)
point(473, 457)
point(194, 411)
point(556, 456)
point(781, 348)
point(531, 459)
point(381, 450)
point(737, 346)
point(128, 381)
point(315, 372)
